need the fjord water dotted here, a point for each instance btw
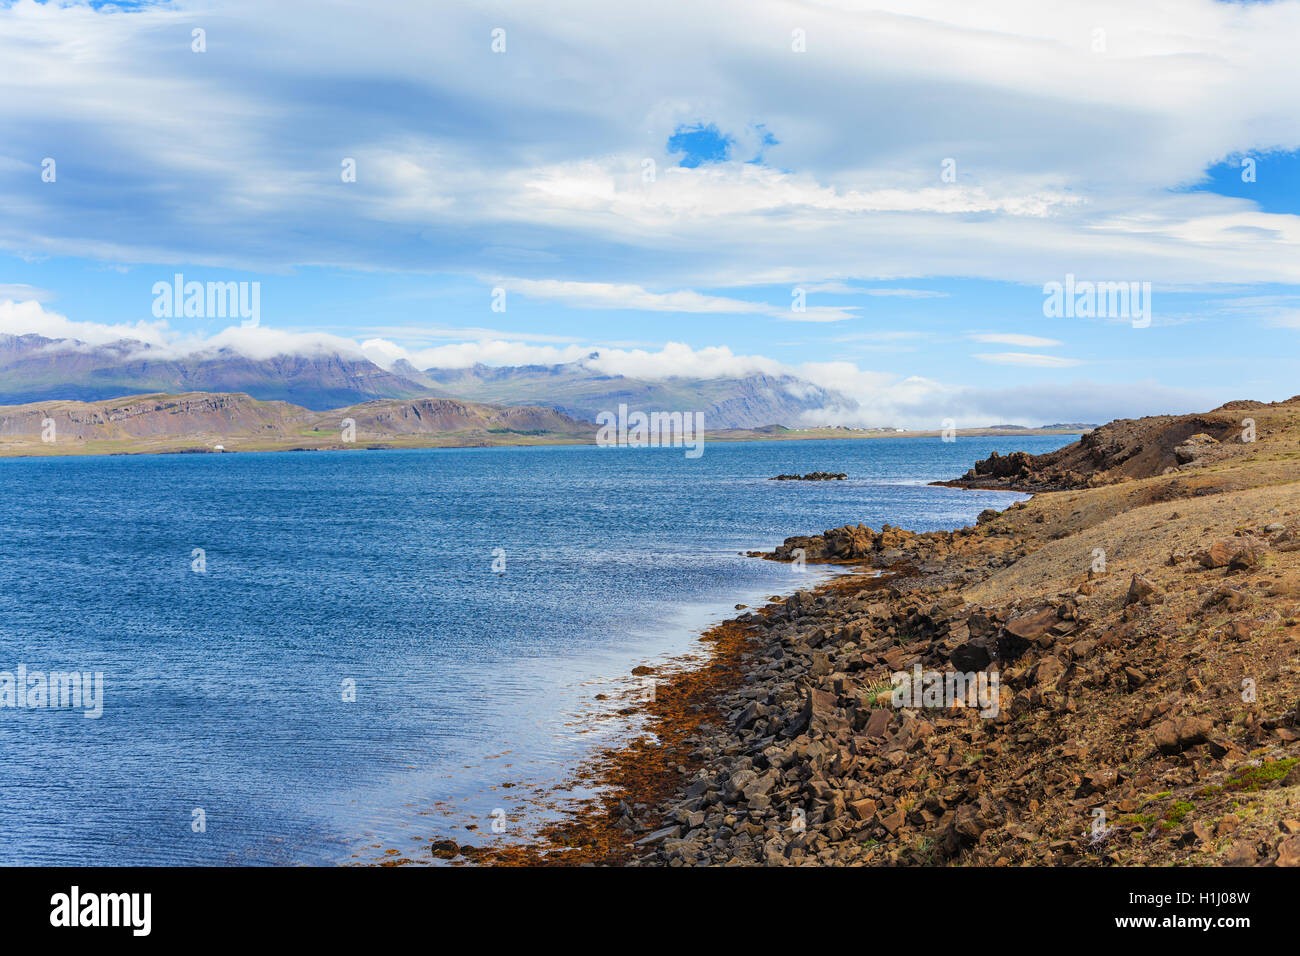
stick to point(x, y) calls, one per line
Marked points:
point(224, 690)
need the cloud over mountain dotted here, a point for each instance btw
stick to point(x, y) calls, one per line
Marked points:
point(323, 371)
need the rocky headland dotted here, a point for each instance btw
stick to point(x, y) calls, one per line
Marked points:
point(1140, 619)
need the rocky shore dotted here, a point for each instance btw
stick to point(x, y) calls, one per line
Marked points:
point(813, 476)
point(1105, 674)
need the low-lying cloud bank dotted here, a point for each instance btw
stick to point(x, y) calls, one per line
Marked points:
point(924, 403)
point(883, 398)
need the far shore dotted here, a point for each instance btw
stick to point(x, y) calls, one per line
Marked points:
point(35, 448)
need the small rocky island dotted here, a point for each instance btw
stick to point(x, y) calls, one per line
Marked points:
point(812, 476)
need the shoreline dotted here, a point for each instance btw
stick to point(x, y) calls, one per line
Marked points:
point(1118, 617)
point(642, 768)
point(237, 445)
point(612, 712)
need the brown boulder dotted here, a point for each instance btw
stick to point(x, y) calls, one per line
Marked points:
point(1097, 781)
point(863, 809)
point(1288, 852)
point(1175, 736)
point(1048, 671)
point(1287, 586)
point(1229, 599)
point(1239, 631)
point(969, 823)
point(1241, 853)
point(1244, 551)
point(1217, 555)
point(1243, 560)
point(444, 849)
point(894, 821)
point(1034, 625)
point(1142, 591)
point(850, 542)
point(877, 723)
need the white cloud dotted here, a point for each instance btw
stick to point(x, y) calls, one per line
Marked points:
point(21, 292)
point(1053, 143)
point(31, 317)
point(843, 288)
point(674, 360)
point(1278, 311)
point(1021, 341)
point(1028, 359)
point(262, 342)
point(726, 190)
point(605, 295)
point(161, 341)
point(678, 360)
point(410, 333)
point(921, 403)
point(465, 354)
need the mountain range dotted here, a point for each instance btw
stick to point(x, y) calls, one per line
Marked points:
point(581, 391)
point(34, 368)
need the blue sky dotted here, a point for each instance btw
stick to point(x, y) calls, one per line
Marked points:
point(660, 188)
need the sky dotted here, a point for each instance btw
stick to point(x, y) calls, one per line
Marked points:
point(870, 196)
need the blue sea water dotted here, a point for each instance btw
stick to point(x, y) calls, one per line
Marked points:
point(224, 690)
